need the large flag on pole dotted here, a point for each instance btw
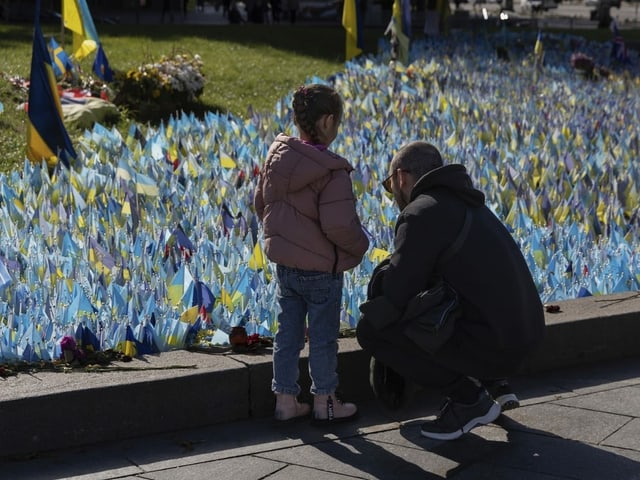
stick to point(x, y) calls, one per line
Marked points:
point(47, 136)
point(538, 49)
point(538, 53)
point(400, 29)
point(352, 23)
point(77, 18)
point(618, 49)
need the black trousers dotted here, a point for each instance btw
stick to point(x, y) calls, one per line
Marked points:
point(459, 358)
point(395, 350)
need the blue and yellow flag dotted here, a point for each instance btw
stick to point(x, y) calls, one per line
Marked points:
point(60, 61)
point(538, 53)
point(77, 18)
point(352, 23)
point(400, 29)
point(538, 49)
point(47, 136)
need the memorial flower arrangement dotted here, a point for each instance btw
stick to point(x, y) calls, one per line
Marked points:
point(582, 62)
point(586, 66)
point(169, 82)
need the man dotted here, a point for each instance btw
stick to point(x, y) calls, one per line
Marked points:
point(502, 318)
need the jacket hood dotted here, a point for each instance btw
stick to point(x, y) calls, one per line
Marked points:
point(452, 177)
point(302, 163)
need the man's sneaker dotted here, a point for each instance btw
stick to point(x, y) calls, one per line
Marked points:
point(388, 386)
point(502, 393)
point(456, 419)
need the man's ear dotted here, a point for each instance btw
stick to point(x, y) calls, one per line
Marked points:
point(404, 178)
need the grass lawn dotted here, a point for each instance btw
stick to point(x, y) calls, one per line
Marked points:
point(244, 65)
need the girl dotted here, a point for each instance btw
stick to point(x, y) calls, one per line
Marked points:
point(305, 201)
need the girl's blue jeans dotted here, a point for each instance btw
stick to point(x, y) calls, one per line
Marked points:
point(314, 298)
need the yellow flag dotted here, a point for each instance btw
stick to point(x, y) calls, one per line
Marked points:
point(226, 161)
point(76, 17)
point(350, 24)
point(399, 29)
point(190, 315)
point(226, 299)
point(378, 254)
point(257, 260)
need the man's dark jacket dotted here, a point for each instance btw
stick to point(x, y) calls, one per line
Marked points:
point(503, 317)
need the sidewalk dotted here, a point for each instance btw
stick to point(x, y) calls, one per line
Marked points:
point(202, 412)
point(579, 423)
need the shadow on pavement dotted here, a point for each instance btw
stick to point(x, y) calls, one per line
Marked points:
point(509, 449)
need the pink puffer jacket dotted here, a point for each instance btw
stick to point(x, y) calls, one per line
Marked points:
point(306, 203)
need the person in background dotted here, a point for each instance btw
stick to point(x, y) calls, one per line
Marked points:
point(292, 8)
point(166, 8)
point(305, 201)
point(501, 320)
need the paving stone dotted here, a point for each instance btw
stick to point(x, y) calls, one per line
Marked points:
point(627, 437)
point(621, 401)
point(623, 452)
point(556, 457)
point(296, 472)
point(217, 442)
point(240, 468)
point(361, 458)
point(591, 378)
point(484, 471)
point(559, 420)
point(81, 464)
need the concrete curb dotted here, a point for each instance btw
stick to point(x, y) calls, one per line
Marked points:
point(177, 390)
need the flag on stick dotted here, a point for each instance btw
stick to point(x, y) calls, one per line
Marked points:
point(618, 49)
point(47, 137)
point(538, 49)
point(538, 52)
point(101, 66)
point(352, 23)
point(60, 61)
point(77, 18)
point(400, 31)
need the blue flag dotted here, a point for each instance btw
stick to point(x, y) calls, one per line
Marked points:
point(47, 136)
point(101, 66)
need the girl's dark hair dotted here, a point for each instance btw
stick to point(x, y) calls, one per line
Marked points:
point(310, 102)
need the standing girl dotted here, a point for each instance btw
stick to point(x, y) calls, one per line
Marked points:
point(312, 232)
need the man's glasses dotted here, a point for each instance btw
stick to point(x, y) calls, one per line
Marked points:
point(386, 183)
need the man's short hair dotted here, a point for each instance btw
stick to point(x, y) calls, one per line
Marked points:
point(417, 158)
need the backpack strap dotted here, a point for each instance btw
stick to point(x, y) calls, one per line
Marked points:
point(457, 243)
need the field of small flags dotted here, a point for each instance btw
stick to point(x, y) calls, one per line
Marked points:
point(150, 242)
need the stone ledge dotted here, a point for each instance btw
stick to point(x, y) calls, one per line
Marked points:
point(50, 411)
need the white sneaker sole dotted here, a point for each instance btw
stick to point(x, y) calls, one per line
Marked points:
point(490, 416)
point(508, 401)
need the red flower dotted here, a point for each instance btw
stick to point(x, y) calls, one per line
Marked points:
point(68, 343)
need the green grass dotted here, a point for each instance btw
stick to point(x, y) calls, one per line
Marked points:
point(244, 65)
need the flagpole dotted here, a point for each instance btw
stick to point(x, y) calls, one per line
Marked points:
point(62, 22)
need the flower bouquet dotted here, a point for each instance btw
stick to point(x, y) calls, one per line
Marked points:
point(166, 84)
point(582, 63)
point(586, 67)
